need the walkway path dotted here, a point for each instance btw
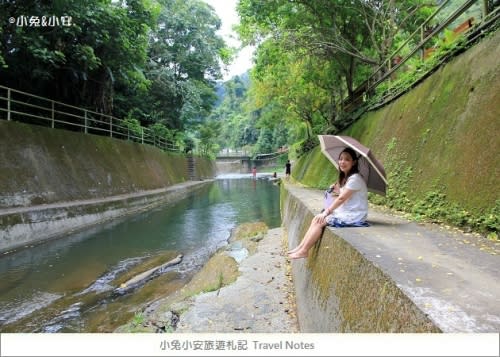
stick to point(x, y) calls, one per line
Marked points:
point(26, 226)
point(91, 201)
point(451, 276)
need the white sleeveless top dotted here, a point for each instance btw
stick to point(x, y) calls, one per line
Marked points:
point(355, 209)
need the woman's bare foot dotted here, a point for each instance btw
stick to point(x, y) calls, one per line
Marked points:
point(297, 255)
point(293, 250)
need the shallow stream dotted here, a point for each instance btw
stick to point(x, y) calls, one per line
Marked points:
point(72, 284)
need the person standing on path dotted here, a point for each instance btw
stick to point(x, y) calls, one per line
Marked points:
point(288, 168)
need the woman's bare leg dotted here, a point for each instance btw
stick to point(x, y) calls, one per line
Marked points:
point(296, 248)
point(312, 235)
point(309, 232)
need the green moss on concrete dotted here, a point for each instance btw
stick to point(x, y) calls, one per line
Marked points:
point(339, 290)
point(249, 234)
point(438, 144)
point(204, 168)
point(40, 165)
point(313, 169)
point(368, 300)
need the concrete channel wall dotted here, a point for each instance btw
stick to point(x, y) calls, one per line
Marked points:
point(337, 288)
point(394, 276)
point(55, 181)
point(33, 225)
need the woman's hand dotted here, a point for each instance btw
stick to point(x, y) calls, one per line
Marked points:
point(320, 218)
point(334, 189)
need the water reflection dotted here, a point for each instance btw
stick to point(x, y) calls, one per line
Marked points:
point(49, 280)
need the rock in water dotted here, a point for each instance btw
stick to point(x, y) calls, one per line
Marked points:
point(148, 273)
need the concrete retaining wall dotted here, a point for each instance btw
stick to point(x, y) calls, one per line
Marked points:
point(20, 228)
point(54, 181)
point(233, 164)
point(338, 289)
point(40, 165)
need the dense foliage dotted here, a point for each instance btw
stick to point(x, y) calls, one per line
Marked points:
point(312, 55)
point(239, 126)
point(156, 63)
point(153, 62)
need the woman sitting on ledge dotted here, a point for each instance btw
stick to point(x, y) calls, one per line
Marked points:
point(349, 209)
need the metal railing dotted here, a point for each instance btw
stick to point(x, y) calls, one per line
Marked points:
point(387, 69)
point(28, 108)
point(232, 153)
point(271, 155)
point(229, 153)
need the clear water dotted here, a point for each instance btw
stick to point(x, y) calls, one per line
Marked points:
point(69, 284)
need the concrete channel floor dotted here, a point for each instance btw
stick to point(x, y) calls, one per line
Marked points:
point(257, 302)
point(453, 277)
point(450, 275)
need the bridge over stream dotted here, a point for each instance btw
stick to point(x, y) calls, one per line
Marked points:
point(242, 162)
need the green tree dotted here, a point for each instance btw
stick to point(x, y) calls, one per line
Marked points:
point(236, 131)
point(296, 87)
point(81, 60)
point(265, 142)
point(207, 135)
point(184, 59)
point(352, 33)
point(312, 54)
point(156, 60)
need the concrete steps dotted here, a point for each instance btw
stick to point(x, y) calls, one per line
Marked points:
point(191, 170)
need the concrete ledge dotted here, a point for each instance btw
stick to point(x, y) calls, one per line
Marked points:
point(395, 276)
point(24, 226)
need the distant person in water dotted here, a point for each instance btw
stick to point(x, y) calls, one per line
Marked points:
point(254, 172)
point(349, 209)
point(288, 168)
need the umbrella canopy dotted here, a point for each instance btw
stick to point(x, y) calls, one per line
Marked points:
point(370, 168)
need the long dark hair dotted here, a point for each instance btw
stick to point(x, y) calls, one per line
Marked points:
point(354, 169)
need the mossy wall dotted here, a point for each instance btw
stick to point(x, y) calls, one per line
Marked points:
point(314, 169)
point(338, 289)
point(439, 142)
point(40, 165)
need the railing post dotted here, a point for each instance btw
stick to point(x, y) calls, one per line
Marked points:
point(86, 122)
point(8, 103)
point(110, 126)
point(142, 135)
point(422, 51)
point(52, 113)
point(485, 8)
